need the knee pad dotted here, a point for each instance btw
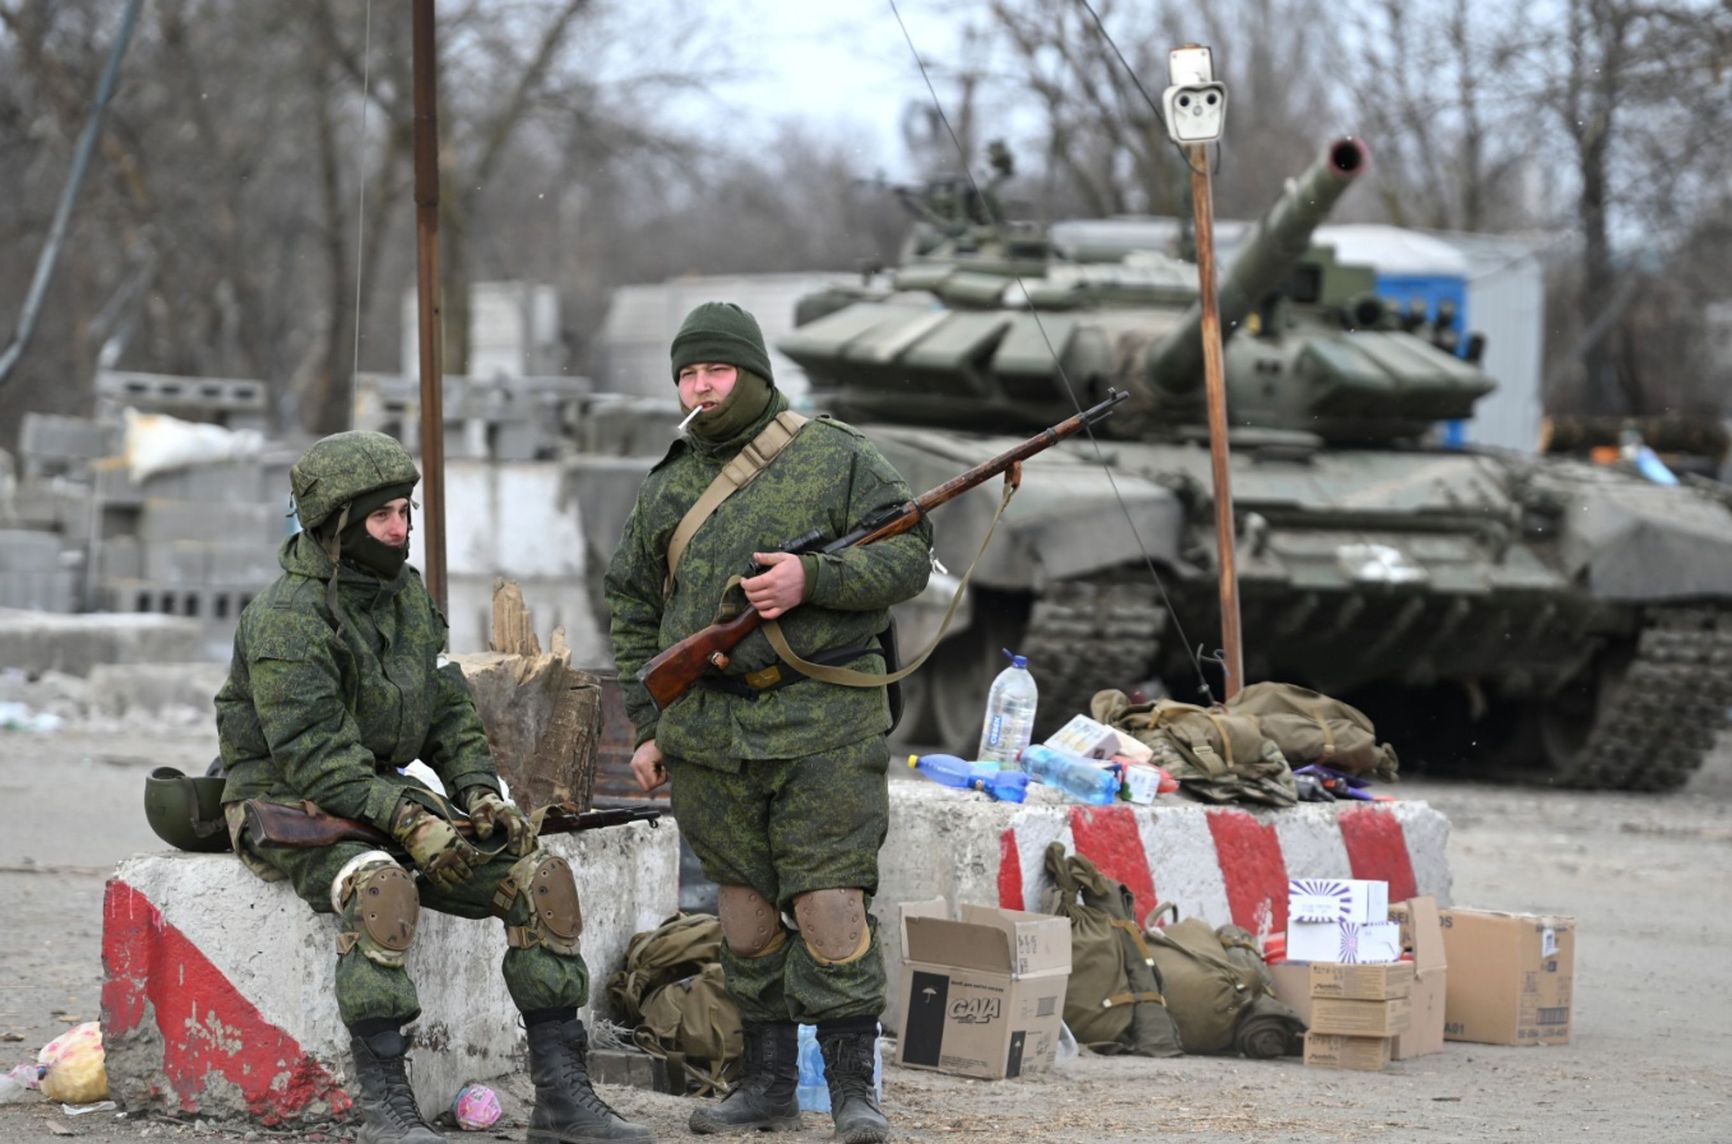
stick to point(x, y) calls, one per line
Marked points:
point(751, 926)
point(376, 899)
point(550, 892)
point(833, 925)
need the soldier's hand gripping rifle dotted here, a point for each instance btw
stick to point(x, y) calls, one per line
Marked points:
point(670, 674)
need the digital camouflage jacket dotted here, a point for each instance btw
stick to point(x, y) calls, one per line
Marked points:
point(828, 478)
point(308, 713)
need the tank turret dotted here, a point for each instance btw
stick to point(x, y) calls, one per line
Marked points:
point(1263, 265)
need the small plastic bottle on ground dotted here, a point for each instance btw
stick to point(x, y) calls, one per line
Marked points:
point(814, 1090)
point(1009, 723)
point(1082, 779)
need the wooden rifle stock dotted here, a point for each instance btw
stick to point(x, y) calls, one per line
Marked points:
point(672, 673)
point(306, 826)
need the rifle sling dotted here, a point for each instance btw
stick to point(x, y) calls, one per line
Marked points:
point(753, 458)
point(847, 677)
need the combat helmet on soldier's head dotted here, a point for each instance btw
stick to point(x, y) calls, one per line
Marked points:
point(343, 466)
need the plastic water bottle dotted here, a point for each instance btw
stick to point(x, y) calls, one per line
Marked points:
point(813, 1090)
point(1082, 779)
point(990, 778)
point(1009, 723)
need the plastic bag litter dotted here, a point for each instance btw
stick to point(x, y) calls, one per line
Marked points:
point(76, 1070)
point(16, 1082)
point(476, 1107)
point(157, 443)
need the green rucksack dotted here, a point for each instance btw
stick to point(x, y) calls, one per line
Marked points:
point(1219, 991)
point(1215, 754)
point(672, 992)
point(1310, 727)
point(1113, 1001)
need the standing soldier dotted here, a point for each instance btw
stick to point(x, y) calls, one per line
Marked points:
point(779, 779)
point(334, 685)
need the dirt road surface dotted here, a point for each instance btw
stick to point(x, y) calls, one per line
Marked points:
point(1647, 879)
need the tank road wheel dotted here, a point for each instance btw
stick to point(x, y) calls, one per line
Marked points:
point(1088, 635)
point(1646, 717)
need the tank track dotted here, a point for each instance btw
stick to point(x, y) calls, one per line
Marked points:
point(1656, 726)
point(1087, 634)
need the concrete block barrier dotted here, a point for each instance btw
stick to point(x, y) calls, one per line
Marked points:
point(219, 998)
point(38, 642)
point(1221, 864)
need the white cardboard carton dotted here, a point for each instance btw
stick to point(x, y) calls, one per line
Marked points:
point(1337, 900)
point(1348, 943)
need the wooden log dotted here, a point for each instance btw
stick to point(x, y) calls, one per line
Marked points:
point(543, 716)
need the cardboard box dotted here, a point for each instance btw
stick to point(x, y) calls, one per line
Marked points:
point(1292, 981)
point(1086, 737)
point(1365, 1054)
point(1422, 937)
point(1360, 1018)
point(1337, 900)
point(1345, 942)
point(982, 997)
point(1511, 977)
point(1362, 982)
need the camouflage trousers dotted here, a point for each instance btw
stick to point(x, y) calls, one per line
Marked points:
point(537, 978)
point(783, 827)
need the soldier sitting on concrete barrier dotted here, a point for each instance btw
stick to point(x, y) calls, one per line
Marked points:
point(778, 777)
point(334, 685)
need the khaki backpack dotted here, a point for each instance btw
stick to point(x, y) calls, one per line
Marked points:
point(1310, 727)
point(1218, 989)
point(1113, 1001)
point(672, 991)
point(1215, 754)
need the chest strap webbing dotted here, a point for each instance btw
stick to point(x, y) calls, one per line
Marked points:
point(739, 472)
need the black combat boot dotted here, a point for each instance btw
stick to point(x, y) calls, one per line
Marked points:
point(567, 1110)
point(850, 1060)
point(387, 1104)
point(765, 1099)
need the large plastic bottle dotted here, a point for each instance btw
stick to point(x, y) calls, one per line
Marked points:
point(1009, 723)
point(989, 778)
point(1085, 780)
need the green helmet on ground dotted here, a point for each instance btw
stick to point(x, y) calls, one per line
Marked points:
point(186, 811)
point(343, 466)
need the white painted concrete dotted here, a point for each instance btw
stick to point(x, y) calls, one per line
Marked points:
point(281, 956)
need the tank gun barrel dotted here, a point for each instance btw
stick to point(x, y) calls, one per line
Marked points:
point(1263, 264)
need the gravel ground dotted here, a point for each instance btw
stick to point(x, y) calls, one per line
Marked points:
point(1644, 876)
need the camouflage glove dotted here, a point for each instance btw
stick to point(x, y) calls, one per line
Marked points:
point(438, 850)
point(487, 811)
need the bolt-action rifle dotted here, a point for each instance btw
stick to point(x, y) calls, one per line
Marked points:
point(670, 674)
point(307, 826)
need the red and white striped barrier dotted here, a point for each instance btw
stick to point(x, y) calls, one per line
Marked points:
point(1221, 864)
point(219, 998)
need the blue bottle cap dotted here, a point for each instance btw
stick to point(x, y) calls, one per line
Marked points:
point(1015, 660)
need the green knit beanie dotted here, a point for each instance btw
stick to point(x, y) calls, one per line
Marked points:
point(721, 332)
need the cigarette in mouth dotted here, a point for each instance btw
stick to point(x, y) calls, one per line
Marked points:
point(697, 409)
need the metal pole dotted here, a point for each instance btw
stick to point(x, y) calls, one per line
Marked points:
point(1203, 210)
point(62, 224)
point(430, 306)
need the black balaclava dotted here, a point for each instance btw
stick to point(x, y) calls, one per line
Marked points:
point(359, 547)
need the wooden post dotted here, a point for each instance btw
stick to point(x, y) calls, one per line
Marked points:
point(429, 304)
point(1203, 211)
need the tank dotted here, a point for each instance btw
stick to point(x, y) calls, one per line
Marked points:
point(1497, 612)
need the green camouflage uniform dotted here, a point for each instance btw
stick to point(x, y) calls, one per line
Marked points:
point(324, 708)
point(784, 792)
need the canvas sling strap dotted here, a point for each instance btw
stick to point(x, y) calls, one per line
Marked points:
point(848, 677)
point(739, 472)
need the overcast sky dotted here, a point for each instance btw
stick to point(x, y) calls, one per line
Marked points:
point(841, 65)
